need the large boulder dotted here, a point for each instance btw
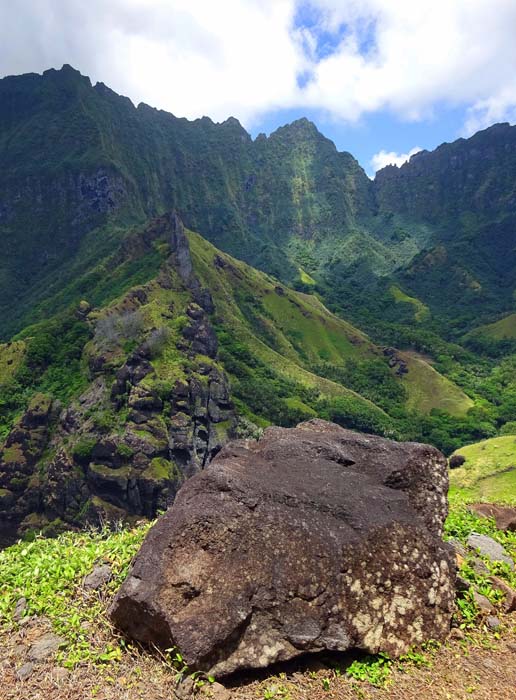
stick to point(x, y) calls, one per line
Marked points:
point(311, 538)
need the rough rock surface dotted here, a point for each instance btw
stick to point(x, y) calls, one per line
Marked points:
point(489, 548)
point(311, 538)
point(504, 516)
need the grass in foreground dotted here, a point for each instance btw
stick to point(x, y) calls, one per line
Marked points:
point(49, 574)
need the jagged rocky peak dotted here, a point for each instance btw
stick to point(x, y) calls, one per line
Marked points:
point(157, 408)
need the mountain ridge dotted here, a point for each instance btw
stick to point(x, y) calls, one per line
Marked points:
point(281, 202)
point(317, 292)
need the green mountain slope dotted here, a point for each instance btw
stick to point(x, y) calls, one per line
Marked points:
point(77, 159)
point(108, 405)
point(320, 292)
point(79, 163)
point(488, 473)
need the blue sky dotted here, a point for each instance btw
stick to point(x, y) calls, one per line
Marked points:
point(381, 78)
point(374, 133)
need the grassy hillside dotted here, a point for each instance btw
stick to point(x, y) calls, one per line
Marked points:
point(427, 389)
point(504, 329)
point(298, 337)
point(489, 472)
point(421, 311)
point(287, 355)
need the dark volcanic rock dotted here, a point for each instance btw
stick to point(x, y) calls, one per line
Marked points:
point(504, 516)
point(311, 538)
point(456, 461)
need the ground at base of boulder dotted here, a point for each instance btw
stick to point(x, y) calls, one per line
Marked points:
point(458, 670)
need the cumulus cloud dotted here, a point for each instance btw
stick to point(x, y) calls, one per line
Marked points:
point(191, 57)
point(383, 158)
point(248, 57)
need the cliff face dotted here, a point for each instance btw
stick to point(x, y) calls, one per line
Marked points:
point(475, 175)
point(77, 158)
point(466, 193)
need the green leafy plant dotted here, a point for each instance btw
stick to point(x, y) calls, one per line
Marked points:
point(49, 574)
point(372, 669)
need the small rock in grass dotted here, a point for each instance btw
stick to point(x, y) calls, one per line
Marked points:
point(19, 609)
point(504, 516)
point(45, 646)
point(509, 604)
point(25, 671)
point(489, 548)
point(456, 461)
point(98, 577)
point(27, 620)
point(479, 567)
point(493, 623)
point(456, 633)
point(461, 584)
point(482, 602)
point(184, 689)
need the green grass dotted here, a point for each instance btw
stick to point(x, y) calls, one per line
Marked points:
point(305, 277)
point(428, 389)
point(288, 331)
point(489, 473)
point(49, 573)
point(504, 329)
point(421, 311)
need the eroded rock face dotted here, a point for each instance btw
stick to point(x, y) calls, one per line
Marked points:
point(311, 538)
point(124, 446)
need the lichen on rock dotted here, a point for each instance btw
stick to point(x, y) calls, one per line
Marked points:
point(311, 538)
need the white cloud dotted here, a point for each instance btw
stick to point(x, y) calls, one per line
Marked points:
point(244, 57)
point(383, 158)
point(191, 57)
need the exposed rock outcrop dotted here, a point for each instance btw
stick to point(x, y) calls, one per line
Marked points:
point(20, 491)
point(311, 538)
point(151, 416)
point(504, 516)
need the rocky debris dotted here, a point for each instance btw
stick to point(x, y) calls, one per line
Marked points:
point(493, 622)
point(217, 691)
point(479, 566)
point(25, 671)
point(456, 461)
point(98, 577)
point(45, 646)
point(509, 604)
point(312, 538)
point(504, 516)
point(395, 361)
point(482, 602)
point(489, 548)
point(19, 609)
